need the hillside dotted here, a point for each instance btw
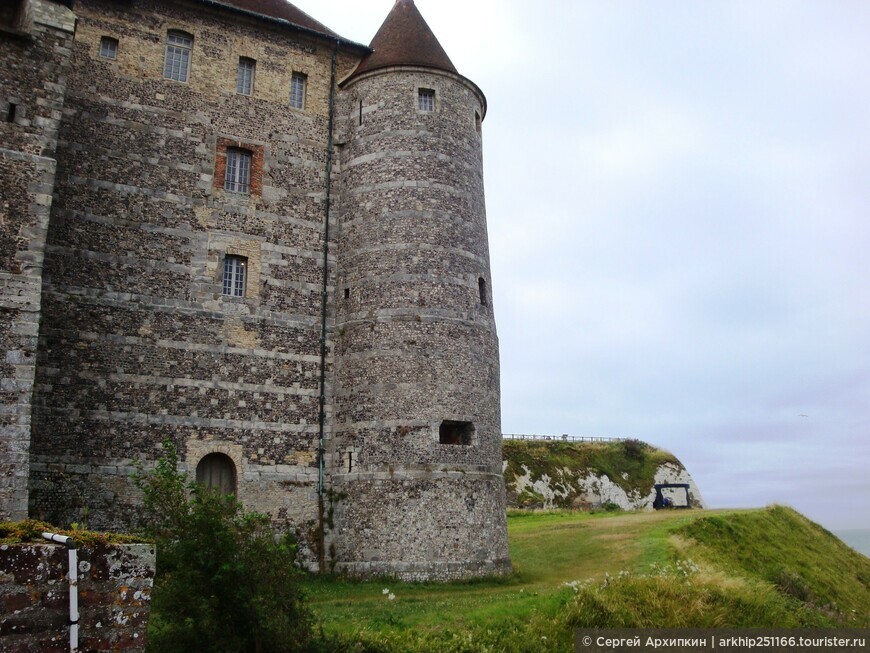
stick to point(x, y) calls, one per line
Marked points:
point(769, 567)
point(591, 475)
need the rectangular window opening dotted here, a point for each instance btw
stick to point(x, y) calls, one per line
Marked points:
point(477, 121)
point(360, 112)
point(297, 90)
point(245, 79)
point(177, 62)
point(451, 432)
point(108, 47)
point(235, 274)
point(481, 288)
point(347, 293)
point(426, 99)
point(350, 461)
point(238, 173)
point(10, 112)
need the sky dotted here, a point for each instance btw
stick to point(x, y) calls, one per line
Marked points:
point(678, 196)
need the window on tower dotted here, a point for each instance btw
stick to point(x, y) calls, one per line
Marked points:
point(426, 99)
point(452, 432)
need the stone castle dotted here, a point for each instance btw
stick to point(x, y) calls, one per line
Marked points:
point(223, 224)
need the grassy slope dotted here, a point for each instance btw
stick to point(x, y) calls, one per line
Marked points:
point(637, 460)
point(739, 580)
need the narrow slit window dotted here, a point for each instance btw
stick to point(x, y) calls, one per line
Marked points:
point(350, 461)
point(453, 432)
point(177, 62)
point(481, 289)
point(10, 112)
point(238, 173)
point(245, 79)
point(477, 121)
point(426, 99)
point(347, 293)
point(297, 90)
point(108, 47)
point(235, 275)
point(360, 112)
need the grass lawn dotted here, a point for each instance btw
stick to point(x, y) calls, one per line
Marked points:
point(754, 568)
point(547, 549)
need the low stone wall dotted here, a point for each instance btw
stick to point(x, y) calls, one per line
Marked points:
point(114, 597)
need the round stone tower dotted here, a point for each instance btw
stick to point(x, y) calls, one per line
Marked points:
point(415, 486)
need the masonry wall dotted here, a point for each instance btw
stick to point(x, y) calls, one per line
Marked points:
point(115, 583)
point(416, 343)
point(138, 343)
point(35, 48)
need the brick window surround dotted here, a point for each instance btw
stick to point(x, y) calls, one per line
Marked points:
point(220, 164)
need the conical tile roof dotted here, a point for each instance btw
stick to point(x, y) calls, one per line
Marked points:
point(405, 39)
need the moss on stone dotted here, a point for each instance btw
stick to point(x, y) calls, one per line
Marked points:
point(31, 530)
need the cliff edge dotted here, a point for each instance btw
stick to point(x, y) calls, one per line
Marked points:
point(594, 475)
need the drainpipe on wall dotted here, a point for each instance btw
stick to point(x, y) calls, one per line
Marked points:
point(73, 576)
point(323, 311)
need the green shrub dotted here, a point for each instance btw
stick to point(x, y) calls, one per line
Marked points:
point(224, 584)
point(634, 449)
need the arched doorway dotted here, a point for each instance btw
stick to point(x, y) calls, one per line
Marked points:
point(216, 471)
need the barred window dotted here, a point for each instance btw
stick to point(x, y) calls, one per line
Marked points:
point(245, 80)
point(108, 47)
point(297, 90)
point(177, 63)
point(426, 99)
point(235, 268)
point(238, 174)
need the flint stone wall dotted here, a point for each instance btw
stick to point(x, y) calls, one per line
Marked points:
point(416, 343)
point(137, 341)
point(34, 62)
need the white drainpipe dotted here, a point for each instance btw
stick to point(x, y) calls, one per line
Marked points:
point(73, 587)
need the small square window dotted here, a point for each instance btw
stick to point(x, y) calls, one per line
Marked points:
point(177, 62)
point(108, 47)
point(297, 90)
point(238, 173)
point(235, 275)
point(245, 79)
point(451, 432)
point(426, 99)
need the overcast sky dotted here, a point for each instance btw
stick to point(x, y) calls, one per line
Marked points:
point(678, 204)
